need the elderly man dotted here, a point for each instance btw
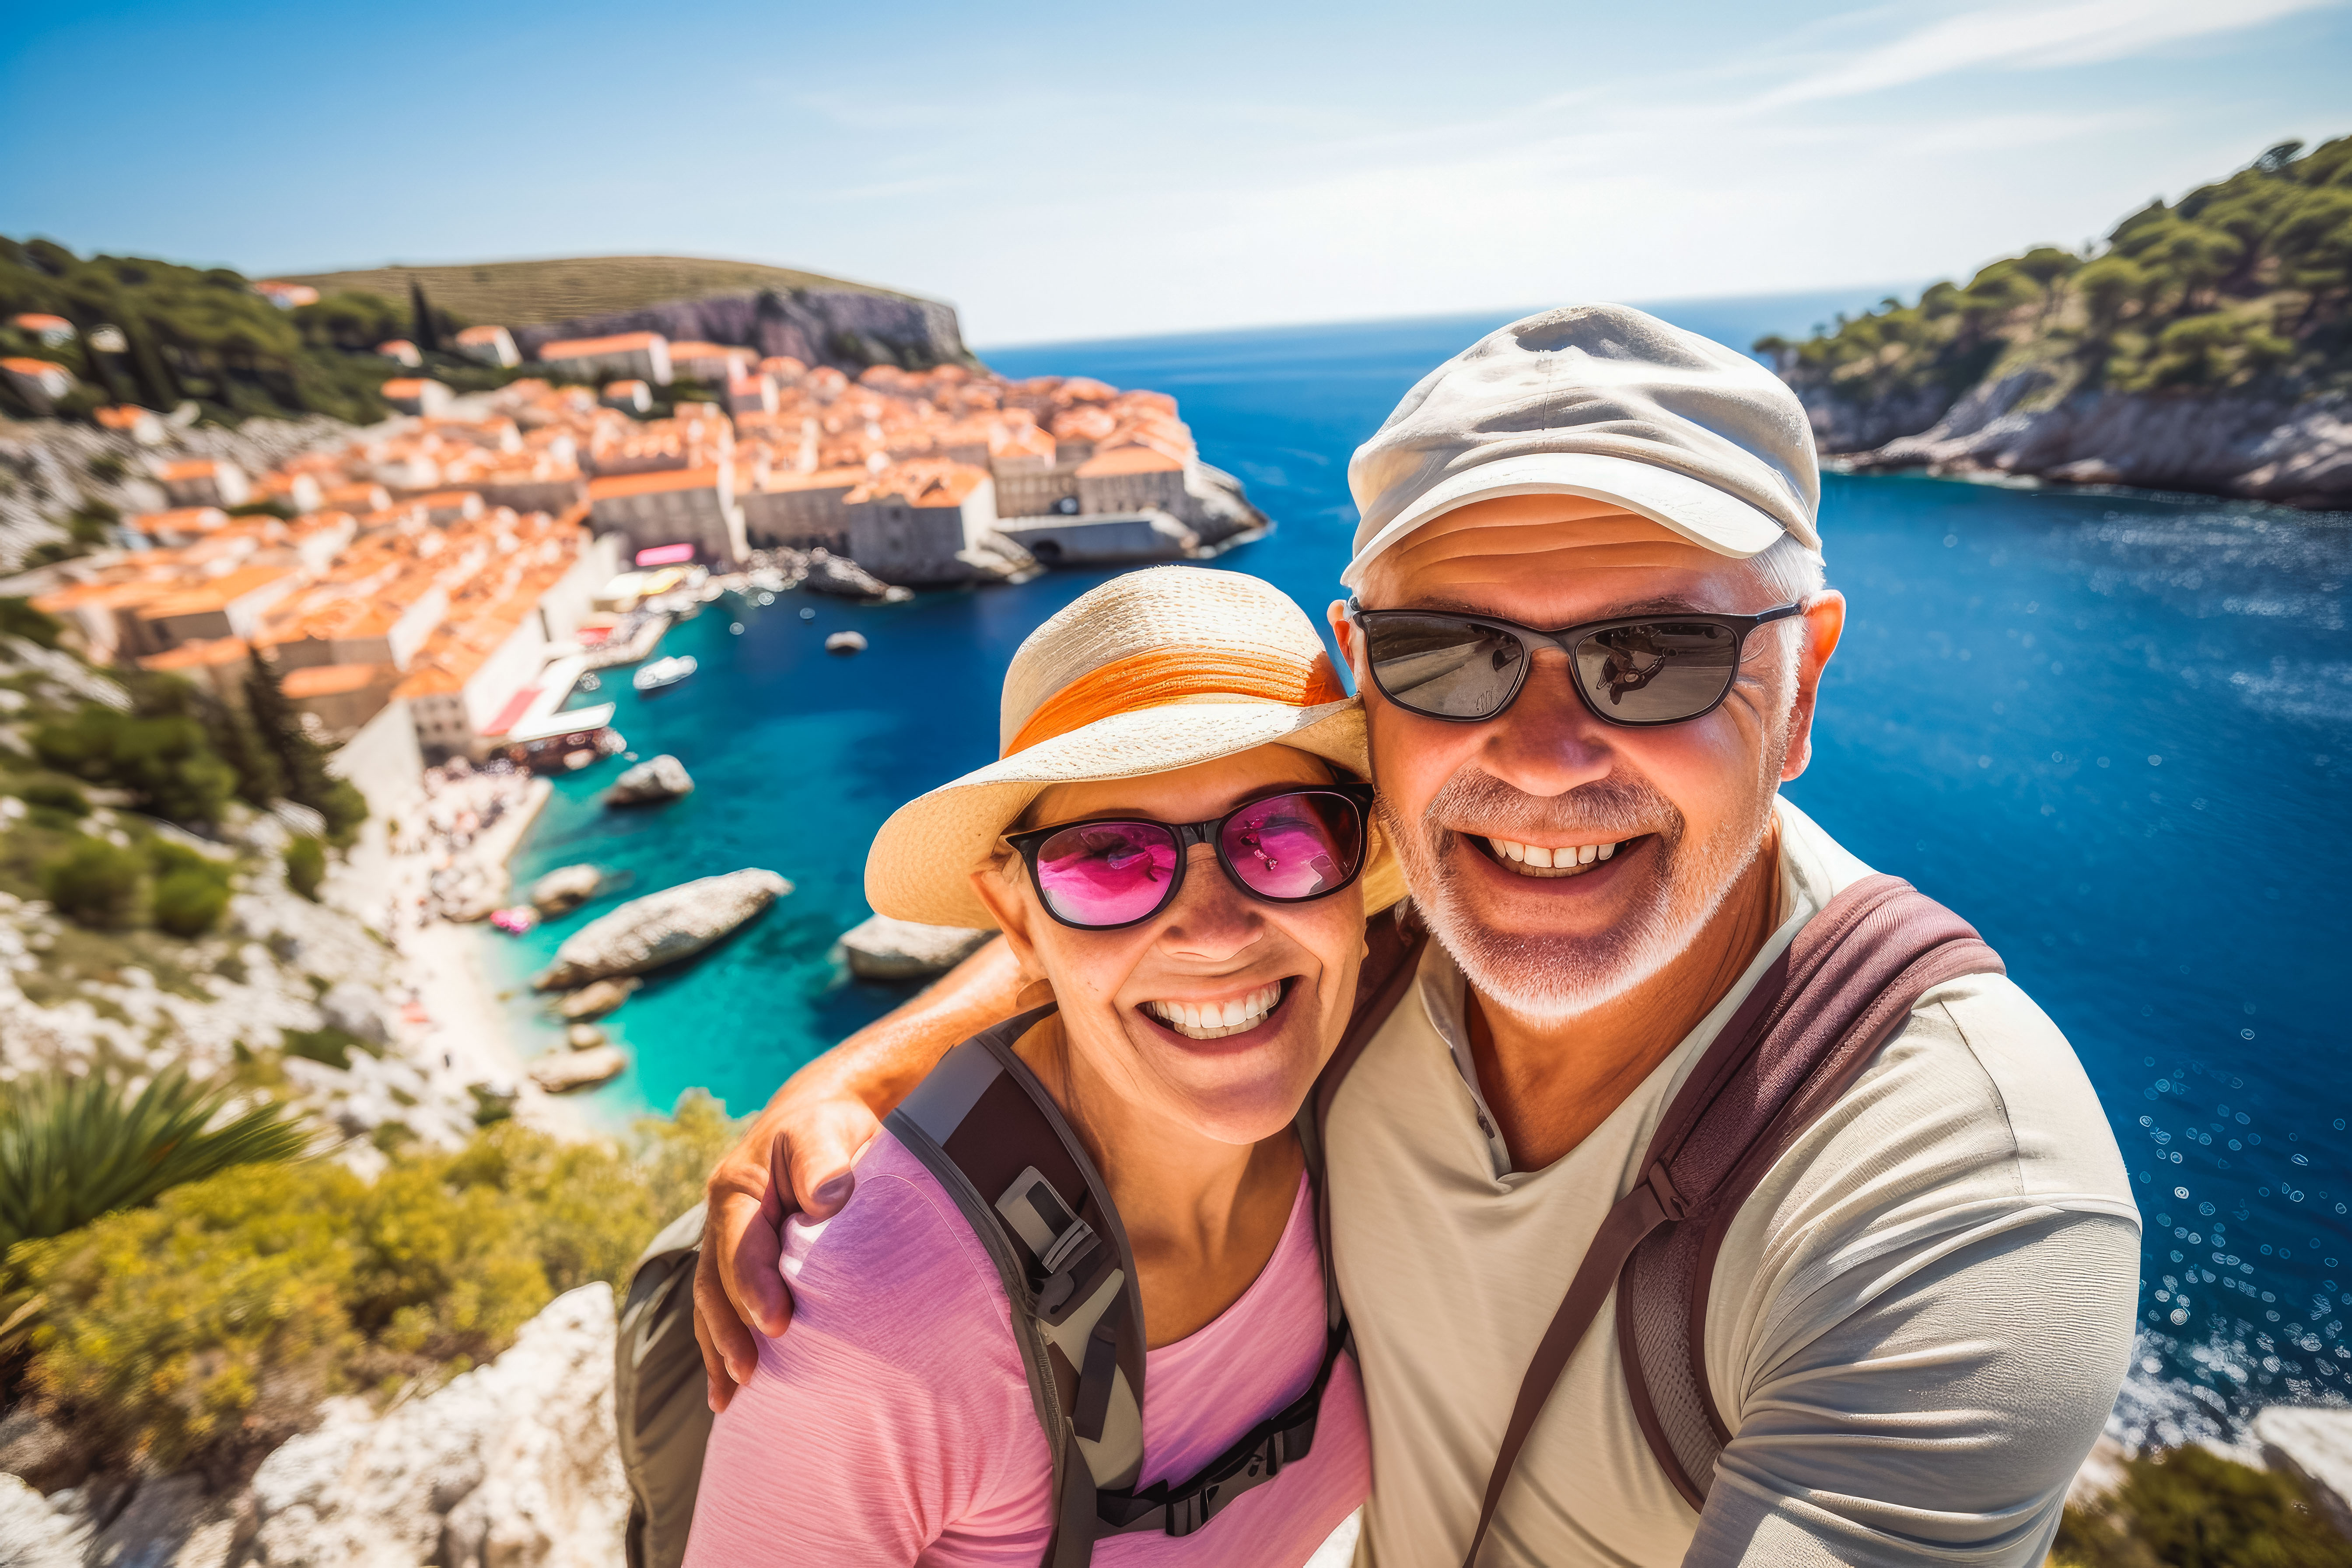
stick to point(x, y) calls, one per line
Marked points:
point(1589, 627)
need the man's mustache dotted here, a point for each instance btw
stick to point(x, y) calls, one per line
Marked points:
point(1616, 807)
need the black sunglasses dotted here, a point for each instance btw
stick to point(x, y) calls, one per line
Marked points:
point(1635, 670)
point(1115, 871)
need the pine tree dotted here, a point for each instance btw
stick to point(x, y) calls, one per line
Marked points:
point(259, 780)
point(302, 762)
point(427, 335)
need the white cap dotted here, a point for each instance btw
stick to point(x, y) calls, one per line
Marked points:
point(1604, 402)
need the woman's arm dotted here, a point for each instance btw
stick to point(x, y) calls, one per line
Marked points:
point(798, 1152)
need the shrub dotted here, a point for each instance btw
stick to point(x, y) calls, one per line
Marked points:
point(330, 1045)
point(94, 884)
point(168, 1331)
point(2191, 1506)
point(306, 867)
point(189, 903)
point(72, 1149)
point(210, 1324)
point(62, 798)
point(18, 618)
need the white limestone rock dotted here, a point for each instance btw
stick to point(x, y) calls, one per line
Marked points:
point(574, 1069)
point(2316, 1444)
point(884, 948)
point(661, 928)
point(35, 1535)
point(566, 887)
point(513, 1464)
point(655, 779)
point(597, 999)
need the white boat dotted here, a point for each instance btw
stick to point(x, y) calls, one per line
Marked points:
point(664, 672)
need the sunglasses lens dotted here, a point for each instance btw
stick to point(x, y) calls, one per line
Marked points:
point(1656, 672)
point(1295, 846)
point(1443, 666)
point(1107, 873)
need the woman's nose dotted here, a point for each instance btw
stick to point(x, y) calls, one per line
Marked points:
point(1209, 917)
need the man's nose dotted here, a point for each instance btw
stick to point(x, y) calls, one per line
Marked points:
point(1548, 743)
point(1211, 917)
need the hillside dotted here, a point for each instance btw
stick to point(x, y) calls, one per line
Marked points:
point(2206, 346)
point(540, 293)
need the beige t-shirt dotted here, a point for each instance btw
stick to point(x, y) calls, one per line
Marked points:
point(1917, 1325)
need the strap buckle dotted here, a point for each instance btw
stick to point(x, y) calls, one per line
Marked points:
point(1663, 1186)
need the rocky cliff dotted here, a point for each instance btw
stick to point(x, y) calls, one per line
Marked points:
point(846, 328)
point(2274, 448)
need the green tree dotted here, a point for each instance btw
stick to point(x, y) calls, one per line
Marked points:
point(165, 762)
point(306, 867)
point(302, 761)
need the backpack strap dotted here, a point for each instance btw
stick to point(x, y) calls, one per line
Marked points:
point(1393, 940)
point(983, 1125)
point(1815, 1019)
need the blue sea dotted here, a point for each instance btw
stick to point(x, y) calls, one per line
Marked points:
point(2113, 730)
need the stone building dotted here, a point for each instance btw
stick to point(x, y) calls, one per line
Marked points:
point(911, 523)
point(672, 506)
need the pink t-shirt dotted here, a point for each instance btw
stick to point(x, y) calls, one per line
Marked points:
point(892, 1423)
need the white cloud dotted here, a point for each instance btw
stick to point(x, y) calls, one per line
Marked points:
point(2025, 38)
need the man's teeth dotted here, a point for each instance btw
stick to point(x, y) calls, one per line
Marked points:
point(1536, 860)
point(1216, 1020)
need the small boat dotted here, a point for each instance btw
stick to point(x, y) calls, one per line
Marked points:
point(590, 683)
point(515, 920)
point(664, 672)
point(846, 642)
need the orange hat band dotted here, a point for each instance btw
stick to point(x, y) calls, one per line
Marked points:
point(1163, 676)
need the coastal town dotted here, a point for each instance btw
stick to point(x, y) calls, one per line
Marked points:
point(460, 565)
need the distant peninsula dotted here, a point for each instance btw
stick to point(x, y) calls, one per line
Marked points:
point(2206, 346)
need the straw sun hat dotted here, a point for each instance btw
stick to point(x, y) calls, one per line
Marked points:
point(1155, 670)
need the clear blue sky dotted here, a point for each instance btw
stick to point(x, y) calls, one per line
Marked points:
point(1078, 171)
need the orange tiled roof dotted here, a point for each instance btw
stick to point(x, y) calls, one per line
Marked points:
point(332, 679)
point(614, 484)
point(32, 366)
point(1135, 459)
point(405, 386)
point(201, 653)
point(216, 594)
point(583, 348)
point(35, 321)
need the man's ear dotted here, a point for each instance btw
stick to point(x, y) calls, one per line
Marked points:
point(1344, 630)
point(1823, 623)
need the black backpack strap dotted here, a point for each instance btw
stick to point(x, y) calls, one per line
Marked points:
point(1813, 1022)
point(983, 1125)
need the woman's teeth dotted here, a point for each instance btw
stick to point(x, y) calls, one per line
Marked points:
point(1535, 860)
point(1216, 1020)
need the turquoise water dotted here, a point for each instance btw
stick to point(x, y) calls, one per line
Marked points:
point(2113, 731)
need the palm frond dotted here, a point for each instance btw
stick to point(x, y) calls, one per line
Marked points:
point(74, 1148)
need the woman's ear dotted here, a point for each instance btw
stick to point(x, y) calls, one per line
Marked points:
point(1005, 895)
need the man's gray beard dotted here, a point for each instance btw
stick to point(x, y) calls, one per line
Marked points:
point(1544, 977)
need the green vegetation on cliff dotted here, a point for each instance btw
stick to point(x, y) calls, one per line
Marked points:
point(534, 293)
point(2243, 281)
point(203, 335)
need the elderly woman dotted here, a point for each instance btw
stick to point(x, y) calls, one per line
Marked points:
point(1075, 1309)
